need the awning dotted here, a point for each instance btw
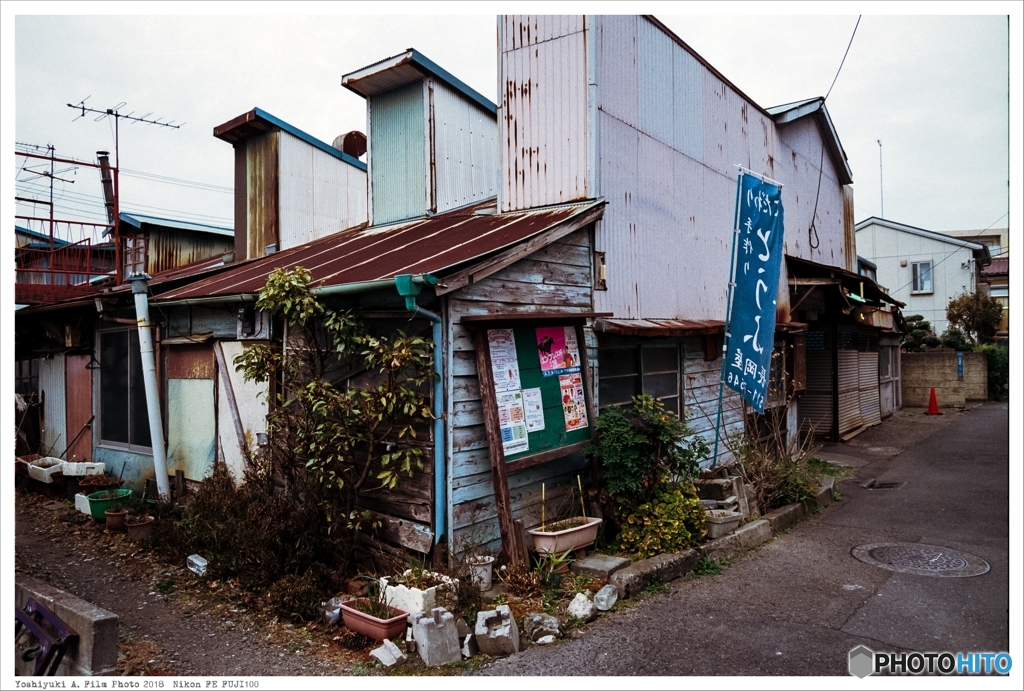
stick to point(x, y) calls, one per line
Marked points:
point(658, 328)
point(822, 274)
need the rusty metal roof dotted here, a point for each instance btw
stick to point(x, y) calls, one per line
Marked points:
point(423, 246)
point(658, 327)
point(999, 265)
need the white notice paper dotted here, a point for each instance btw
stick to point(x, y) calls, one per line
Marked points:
point(512, 422)
point(504, 361)
point(534, 410)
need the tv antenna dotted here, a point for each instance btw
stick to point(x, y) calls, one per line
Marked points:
point(118, 116)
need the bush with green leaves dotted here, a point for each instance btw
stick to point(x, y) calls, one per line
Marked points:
point(673, 520)
point(348, 408)
point(919, 335)
point(957, 340)
point(998, 358)
point(648, 460)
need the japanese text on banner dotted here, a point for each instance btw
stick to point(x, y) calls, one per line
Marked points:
point(756, 278)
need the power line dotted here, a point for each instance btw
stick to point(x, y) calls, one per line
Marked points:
point(844, 58)
point(154, 177)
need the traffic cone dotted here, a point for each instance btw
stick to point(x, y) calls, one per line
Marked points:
point(933, 404)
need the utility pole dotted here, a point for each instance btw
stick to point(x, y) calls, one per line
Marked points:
point(881, 194)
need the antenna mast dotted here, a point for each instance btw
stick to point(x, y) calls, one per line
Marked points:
point(881, 194)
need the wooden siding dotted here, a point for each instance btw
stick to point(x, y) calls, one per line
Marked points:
point(261, 165)
point(700, 400)
point(556, 278)
point(78, 392)
point(189, 361)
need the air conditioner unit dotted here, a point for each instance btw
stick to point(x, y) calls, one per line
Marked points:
point(253, 324)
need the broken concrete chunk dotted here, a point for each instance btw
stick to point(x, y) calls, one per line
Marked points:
point(388, 654)
point(496, 631)
point(437, 640)
point(469, 646)
point(606, 597)
point(462, 627)
point(546, 640)
point(537, 625)
point(582, 608)
point(599, 565)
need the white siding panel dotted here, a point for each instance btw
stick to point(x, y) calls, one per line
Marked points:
point(52, 391)
point(318, 194)
point(688, 110)
point(251, 402)
point(654, 77)
point(465, 150)
point(617, 69)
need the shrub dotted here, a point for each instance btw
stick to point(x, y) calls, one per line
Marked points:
point(998, 358)
point(672, 521)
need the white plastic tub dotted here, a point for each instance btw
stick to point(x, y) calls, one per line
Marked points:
point(43, 469)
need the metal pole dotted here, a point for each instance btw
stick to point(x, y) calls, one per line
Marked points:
point(140, 284)
point(728, 317)
point(881, 195)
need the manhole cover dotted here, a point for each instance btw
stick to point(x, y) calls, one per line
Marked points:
point(921, 560)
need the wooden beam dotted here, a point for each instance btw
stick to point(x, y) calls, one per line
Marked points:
point(415, 536)
point(814, 281)
point(230, 389)
point(495, 450)
point(545, 456)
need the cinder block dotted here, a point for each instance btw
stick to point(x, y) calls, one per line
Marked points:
point(96, 651)
point(599, 565)
point(714, 489)
point(388, 654)
point(437, 637)
point(496, 632)
point(784, 517)
point(632, 579)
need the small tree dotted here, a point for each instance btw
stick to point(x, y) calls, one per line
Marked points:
point(332, 440)
point(919, 334)
point(976, 315)
point(956, 339)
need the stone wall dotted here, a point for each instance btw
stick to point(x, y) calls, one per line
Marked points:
point(922, 371)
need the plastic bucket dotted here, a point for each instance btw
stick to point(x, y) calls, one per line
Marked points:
point(99, 502)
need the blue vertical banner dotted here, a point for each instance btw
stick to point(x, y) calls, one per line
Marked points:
point(757, 263)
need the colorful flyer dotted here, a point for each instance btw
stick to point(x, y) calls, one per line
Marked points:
point(512, 422)
point(574, 403)
point(558, 350)
point(504, 361)
point(534, 405)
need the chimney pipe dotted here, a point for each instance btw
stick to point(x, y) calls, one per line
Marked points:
point(107, 178)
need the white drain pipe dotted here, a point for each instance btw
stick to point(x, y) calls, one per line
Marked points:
point(140, 285)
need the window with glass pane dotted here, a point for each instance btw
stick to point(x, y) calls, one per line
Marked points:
point(628, 371)
point(922, 277)
point(123, 414)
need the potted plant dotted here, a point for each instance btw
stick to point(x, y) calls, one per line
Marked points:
point(99, 502)
point(116, 514)
point(90, 484)
point(552, 566)
point(481, 569)
point(417, 589)
point(138, 522)
point(568, 534)
point(720, 522)
point(373, 617)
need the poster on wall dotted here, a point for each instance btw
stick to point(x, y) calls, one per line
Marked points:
point(558, 350)
point(534, 405)
point(512, 422)
point(504, 361)
point(574, 404)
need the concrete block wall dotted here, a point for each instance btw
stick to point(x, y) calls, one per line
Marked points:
point(922, 371)
point(95, 653)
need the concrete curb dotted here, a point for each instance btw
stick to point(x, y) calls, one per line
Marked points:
point(785, 517)
point(634, 578)
point(745, 538)
point(97, 629)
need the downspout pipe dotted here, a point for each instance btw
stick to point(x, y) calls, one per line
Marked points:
point(140, 285)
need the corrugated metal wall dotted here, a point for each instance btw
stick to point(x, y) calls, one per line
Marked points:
point(554, 279)
point(318, 193)
point(815, 406)
point(465, 150)
point(261, 165)
point(542, 129)
point(169, 249)
point(51, 390)
point(870, 406)
point(799, 153)
point(398, 174)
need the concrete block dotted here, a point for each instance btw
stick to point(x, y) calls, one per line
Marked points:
point(714, 489)
point(784, 517)
point(632, 579)
point(388, 654)
point(582, 608)
point(496, 632)
point(745, 538)
point(437, 639)
point(599, 565)
point(537, 625)
point(462, 627)
point(822, 496)
point(739, 490)
point(96, 651)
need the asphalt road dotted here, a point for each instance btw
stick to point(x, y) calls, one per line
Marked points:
point(798, 604)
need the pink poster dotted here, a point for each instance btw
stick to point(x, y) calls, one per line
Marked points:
point(558, 350)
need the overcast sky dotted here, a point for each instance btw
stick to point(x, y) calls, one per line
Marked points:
point(933, 89)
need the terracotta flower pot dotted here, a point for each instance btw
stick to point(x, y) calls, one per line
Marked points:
point(371, 626)
point(139, 527)
point(115, 520)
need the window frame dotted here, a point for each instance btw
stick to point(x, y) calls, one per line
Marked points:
point(637, 350)
point(97, 389)
point(915, 276)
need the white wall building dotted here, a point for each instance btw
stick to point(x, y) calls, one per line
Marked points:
point(920, 267)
